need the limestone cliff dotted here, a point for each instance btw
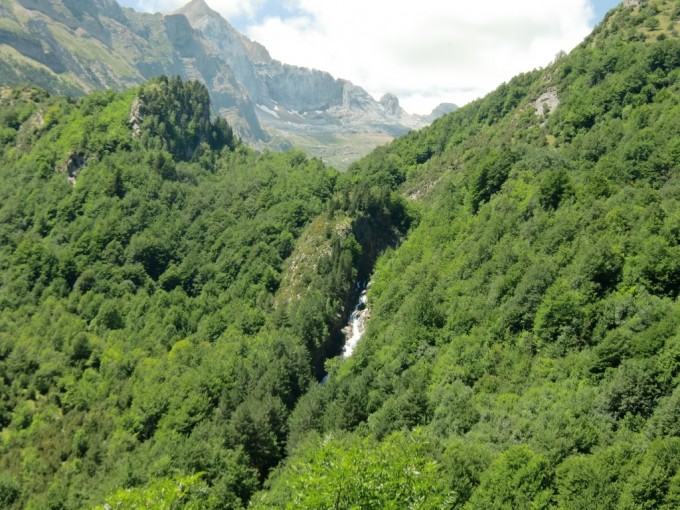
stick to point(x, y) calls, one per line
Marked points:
point(77, 46)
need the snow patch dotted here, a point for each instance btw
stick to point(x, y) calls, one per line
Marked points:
point(269, 111)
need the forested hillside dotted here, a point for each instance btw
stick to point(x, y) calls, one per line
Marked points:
point(170, 301)
point(151, 328)
point(523, 349)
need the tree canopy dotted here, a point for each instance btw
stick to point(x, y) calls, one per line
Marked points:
point(170, 301)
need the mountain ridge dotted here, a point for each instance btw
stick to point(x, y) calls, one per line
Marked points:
point(78, 47)
point(94, 45)
point(522, 349)
point(301, 101)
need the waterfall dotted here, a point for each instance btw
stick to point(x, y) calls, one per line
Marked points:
point(356, 326)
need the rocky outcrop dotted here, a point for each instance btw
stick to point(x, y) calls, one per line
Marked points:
point(390, 103)
point(442, 109)
point(136, 117)
point(74, 164)
point(547, 103)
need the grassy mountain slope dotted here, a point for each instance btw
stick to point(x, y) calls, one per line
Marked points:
point(523, 349)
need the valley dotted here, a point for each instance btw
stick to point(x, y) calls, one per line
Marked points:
point(186, 319)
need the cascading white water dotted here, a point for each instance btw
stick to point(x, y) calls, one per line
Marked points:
point(356, 326)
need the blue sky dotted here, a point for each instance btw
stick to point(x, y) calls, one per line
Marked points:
point(426, 52)
point(601, 7)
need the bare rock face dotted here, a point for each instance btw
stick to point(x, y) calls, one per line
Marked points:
point(267, 103)
point(298, 89)
point(101, 45)
point(136, 117)
point(74, 164)
point(442, 109)
point(300, 103)
point(547, 103)
point(390, 103)
point(237, 51)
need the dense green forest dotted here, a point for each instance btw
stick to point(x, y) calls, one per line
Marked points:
point(151, 329)
point(169, 300)
point(523, 349)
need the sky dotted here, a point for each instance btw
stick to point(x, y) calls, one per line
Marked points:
point(424, 51)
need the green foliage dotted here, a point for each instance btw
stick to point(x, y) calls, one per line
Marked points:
point(169, 299)
point(488, 176)
point(178, 116)
point(634, 389)
point(517, 479)
point(527, 321)
point(138, 301)
point(553, 188)
point(163, 494)
point(359, 473)
point(10, 491)
point(656, 483)
point(152, 307)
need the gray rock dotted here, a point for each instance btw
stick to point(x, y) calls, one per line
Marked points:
point(105, 46)
point(547, 103)
point(296, 101)
point(441, 110)
point(390, 103)
point(264, 100)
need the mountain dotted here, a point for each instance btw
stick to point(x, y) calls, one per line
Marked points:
point(76, 47)
point(301, 104)
point(523, 346)
point(172, 303)
point(148, 329)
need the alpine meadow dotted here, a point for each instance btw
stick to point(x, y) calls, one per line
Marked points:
point(174, 303)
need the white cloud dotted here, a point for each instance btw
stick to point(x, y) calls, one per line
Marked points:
point(425, 51)
point(233, 8)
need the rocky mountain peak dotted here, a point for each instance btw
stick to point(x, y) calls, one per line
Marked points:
point(267, 102)
point(391, 103)
point(230, 42)
point(197, 8)
point(442, 109)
